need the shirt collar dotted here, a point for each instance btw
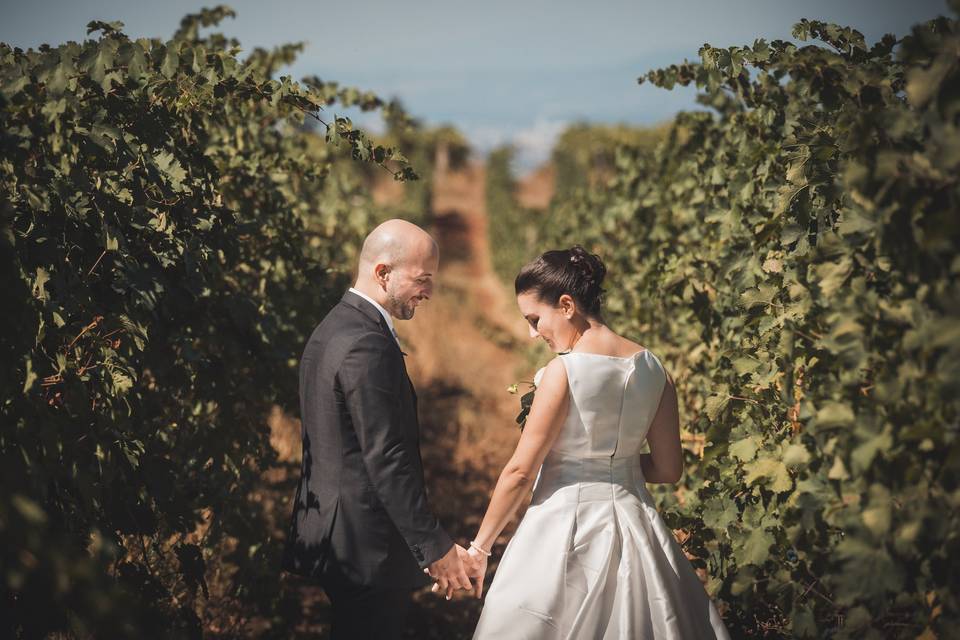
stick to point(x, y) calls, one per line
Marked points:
point(386, 314)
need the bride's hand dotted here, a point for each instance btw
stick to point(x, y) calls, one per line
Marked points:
point(476, 566)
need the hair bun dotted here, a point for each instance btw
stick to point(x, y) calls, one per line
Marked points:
point(574, 271)
point(590, 265)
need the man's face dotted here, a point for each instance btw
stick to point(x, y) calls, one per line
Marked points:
point(410, 283)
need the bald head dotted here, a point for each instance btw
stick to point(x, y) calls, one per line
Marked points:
point(393, 242)
point(397, 264)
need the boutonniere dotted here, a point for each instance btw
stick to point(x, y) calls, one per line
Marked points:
point(526, 400)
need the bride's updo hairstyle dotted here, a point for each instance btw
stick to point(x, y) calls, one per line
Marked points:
point(574, 272)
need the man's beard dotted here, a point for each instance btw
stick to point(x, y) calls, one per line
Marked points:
point(397, 308)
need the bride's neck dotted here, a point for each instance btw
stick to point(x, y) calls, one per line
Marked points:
point(587, 326)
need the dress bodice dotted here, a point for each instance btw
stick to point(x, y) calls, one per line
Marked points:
point(612, 402)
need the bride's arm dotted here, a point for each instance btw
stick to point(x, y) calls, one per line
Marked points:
point(543, 424)
point(664, 463)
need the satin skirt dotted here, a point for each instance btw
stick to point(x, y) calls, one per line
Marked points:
point(592, 558)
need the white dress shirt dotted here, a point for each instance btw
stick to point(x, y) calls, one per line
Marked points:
point(386, 314)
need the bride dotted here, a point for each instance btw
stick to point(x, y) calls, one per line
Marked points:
point(591, 558)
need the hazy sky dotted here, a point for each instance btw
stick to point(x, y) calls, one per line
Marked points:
point(499, 70)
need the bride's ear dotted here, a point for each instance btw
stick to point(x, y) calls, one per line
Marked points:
point(567, 306)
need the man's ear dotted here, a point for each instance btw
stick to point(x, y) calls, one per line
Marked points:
point(381, 272)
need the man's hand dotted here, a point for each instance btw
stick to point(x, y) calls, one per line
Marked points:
point(476, 565)
point(449, 573)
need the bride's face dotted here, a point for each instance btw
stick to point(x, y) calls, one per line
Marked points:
point(550, 322)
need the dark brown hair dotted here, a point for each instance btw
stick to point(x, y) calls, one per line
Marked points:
point(574, 272)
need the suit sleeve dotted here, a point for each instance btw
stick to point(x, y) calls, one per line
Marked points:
point(371, 377)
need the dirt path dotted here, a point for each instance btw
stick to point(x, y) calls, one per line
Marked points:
point(465, 346)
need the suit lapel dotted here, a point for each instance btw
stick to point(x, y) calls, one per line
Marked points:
point(373, 314)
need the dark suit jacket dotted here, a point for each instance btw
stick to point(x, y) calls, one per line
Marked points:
point(360, 509)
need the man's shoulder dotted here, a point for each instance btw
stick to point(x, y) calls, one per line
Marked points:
point(342, 321)
point(372, 340)
point(345, 329)
point(333, 334)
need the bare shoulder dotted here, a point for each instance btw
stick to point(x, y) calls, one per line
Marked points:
point(554, 376)
point(669, 386)
point(669, 383)
point(556, 368)
point(551, 397)
point(627, 347)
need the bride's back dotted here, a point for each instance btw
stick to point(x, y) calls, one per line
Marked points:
point(613, 400)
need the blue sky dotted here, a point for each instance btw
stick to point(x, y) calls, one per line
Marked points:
point(500, 71)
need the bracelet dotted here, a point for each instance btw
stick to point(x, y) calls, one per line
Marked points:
point(474, 545)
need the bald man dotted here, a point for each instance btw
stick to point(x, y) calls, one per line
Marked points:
point(361, 523)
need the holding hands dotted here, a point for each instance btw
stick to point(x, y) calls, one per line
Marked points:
point(460, 568)
point(479, 557)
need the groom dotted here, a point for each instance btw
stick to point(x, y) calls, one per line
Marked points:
point(361, 524)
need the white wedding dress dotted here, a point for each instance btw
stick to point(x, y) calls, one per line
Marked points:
point(592, 558)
